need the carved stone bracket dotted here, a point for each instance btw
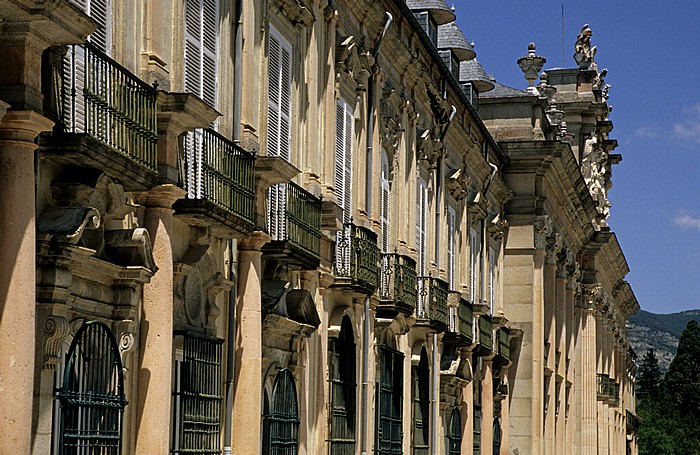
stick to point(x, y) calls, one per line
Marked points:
point(56, 330)
point(591, 294)
point(458, 182)
point(543, 229)
point(428, 146)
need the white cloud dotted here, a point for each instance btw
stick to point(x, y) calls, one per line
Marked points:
point(687, 222)
point(647, 132)
point(689, 128)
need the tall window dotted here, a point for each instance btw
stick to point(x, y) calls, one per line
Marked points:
point(101, 12)
point(477, 415)
point(343, 157)
point(201, 49)
point(454, 434)
point(451, 239)
point(492, 278)
point(281, 419)
point(421, 225)
point(384, 203)
point(421, 405)
point(343, 390)
point(91, 396)
point(389, 433)
point(197, 397)
point(473, 264)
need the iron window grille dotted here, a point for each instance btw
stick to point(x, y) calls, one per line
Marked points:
point(281, 419)
point(389, 433)
point(197, 397)
point(343, 391)
point(454, 433)
point(91, 396)
point(421, 406)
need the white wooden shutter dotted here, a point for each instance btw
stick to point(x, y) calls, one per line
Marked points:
point(492, 278)
point(343, 157)
point(421, 221)
point(473, 261)
point(384, 203)
point(279, 97)
point(201, 49)
point(451, 226)
point(101, 12)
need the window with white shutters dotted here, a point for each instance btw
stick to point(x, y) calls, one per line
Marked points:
point(279, 95)
point(202, 48)
point(451, 238)
point(101, 12)
point(343, 157)
point(492, 278)
point(473, 263)
point(421, 225)
point(384, 203)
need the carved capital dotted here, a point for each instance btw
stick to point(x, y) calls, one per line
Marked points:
point(543, 230)
point(56, 330)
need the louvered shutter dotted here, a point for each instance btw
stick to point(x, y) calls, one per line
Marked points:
point(100, 11)
point(492, 277)
point(473, 258)
point(451, 225)
point(201, 49)
point(193, 47)
point(384, 203)
point(343, 157)
point(421, 218)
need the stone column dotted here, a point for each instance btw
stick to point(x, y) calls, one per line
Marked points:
point(247, 404)
point(156, 328)
point(17, 275)
point(561, 355)
point(487, 407)
point(550, 346)
point(589, 402)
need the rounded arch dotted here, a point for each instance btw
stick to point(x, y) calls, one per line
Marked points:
point(342, 376)
point(337, 318)
point(281, 422)
point(454, 432)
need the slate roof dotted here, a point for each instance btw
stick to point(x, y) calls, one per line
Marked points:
point(503, 91)
point(451, 37)
point(472, 71)
point(438, 8)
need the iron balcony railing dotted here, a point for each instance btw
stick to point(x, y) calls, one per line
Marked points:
point(503, 343)
point(357, 259)
point(608, 389)
point(485, 332)
point(432, 300)
point(632, 421)
point(101, 98)
point(461, 316)
point(294, 217)
point(399, 281)
point(220, 172)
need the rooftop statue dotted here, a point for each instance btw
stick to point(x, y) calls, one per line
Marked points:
point(585, 54)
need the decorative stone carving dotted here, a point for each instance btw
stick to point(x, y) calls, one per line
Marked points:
point(297, 11)
point(352, 61)
point(584, 54)
point(56, 330)
point(543, 229)
point(531, 65)
point(592, 293)
point(428, 146)
point(438, 105)
point(458, 183)
point(390, 125)
point(497, 227)
point(594, 167)
point(555, 244)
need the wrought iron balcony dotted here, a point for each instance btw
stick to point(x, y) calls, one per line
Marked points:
point(356, 259)
point(503, 337)
point(461, 320)
point(432, 302)
point(608, 389)
point(294, 222)
point(632, 422)
point(398, 285)
point(485, 340)
point(105, 118)
point(219, 177)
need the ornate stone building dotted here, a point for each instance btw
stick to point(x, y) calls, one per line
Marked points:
point(306, 227)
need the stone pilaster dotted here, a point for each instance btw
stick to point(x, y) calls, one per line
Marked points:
point(487, 407)
point(247, 409)
point(156, 333)
point(589, 431)
point(17, 276)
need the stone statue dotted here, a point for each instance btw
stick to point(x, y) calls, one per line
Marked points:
point(584, 52)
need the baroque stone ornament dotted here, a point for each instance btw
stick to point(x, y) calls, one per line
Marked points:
point(56, 330)
point(584, 54)
point(531, 65)
point(594, 167)
point(543, 229)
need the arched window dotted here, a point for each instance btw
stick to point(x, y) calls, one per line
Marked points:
point(496, 436)
point(389, 433)
point(281, 423)
point(454, 434)
point(421, 405)
point(92, 394)
point(343, 390)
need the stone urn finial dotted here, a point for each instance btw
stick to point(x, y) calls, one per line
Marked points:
point(531, 65)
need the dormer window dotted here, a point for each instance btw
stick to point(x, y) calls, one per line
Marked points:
point(428, 23)
point(451, 61)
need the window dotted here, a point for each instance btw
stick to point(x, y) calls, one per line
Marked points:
point(279, 95)
point(492, 279)
point(384, 203)
point(343, 157)
point(197, 397)
point(454, 434)
point(421, 406)
point(101, 12)
point(451, 239)
point(202, 49)
point(389, 433)
point(281, 418)
point(426, 21)
point(496, 436)
point(91, 396)
point(473, 264)
point(343, 391)
point(477, 415)
point(421, 225)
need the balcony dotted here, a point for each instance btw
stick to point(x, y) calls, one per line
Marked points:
point(398, 291)
point(105, 118)
point(608, 389)
point(294, 222)
point(503, 347)
point(356, 260)
point(432, 302)
point(219, 177)
point(485, 335)
point(461, 320)
point(632, 422)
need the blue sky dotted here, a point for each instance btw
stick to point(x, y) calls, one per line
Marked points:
point(652, 52)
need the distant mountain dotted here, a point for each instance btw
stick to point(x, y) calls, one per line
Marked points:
point(659, 332)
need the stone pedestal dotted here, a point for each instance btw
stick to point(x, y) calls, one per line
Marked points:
point(17, 276)
point(247, 404)
point(156, 328)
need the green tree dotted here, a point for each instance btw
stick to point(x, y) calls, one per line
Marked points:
point(682, 382)
point(649, 377)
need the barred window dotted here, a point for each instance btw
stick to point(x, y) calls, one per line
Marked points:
point(454, 433)
point(343, 391)
point(389, 433)
point(91, 396)
point(281, 417)
point(197, 396)
point(421, 405)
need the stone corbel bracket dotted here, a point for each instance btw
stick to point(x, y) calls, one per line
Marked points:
point(56, 331)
